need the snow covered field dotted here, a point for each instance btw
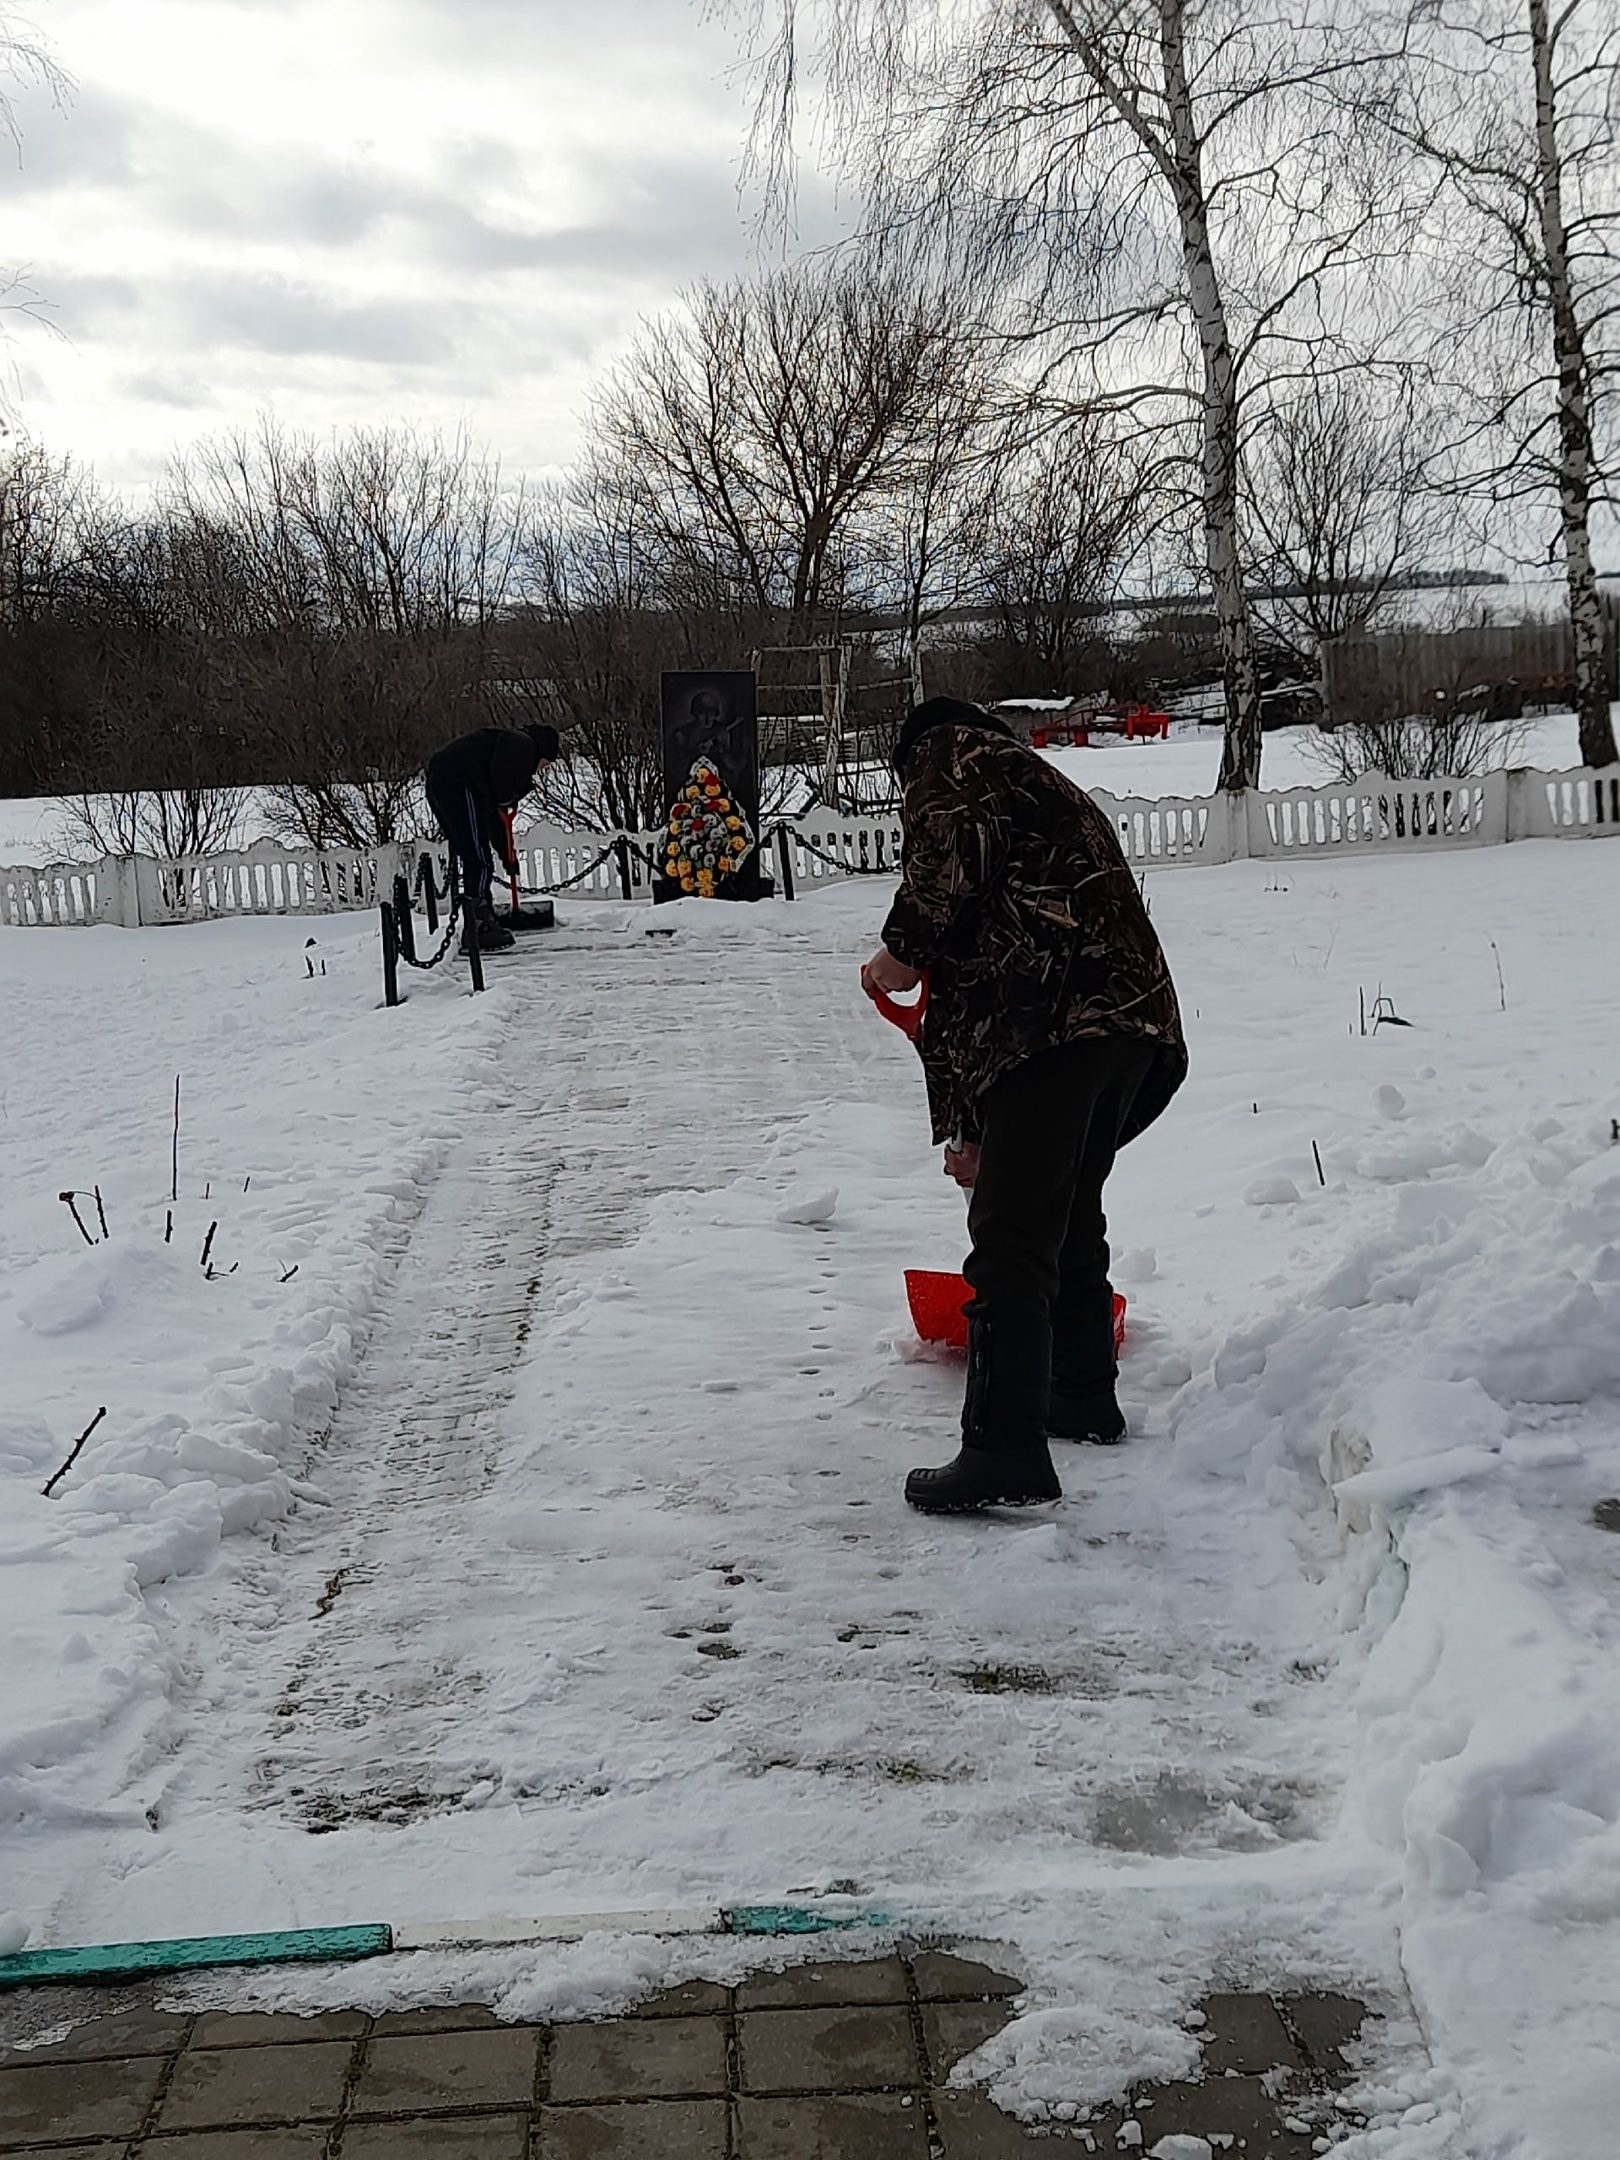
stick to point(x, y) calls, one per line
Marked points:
point(1187, 763)
point(537, 1545)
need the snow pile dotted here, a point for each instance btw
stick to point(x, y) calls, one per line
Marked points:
point(1455, 1378)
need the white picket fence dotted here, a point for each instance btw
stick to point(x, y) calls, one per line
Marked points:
point(1366, 816)
point(1371, 815)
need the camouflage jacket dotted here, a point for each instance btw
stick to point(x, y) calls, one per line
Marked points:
point(1017, 903)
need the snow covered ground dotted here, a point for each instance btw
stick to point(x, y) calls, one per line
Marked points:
point(537, 1546)
point(1186, 763)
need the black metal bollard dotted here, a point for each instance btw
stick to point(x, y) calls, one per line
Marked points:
point(621, 848)
point(469, 933)
point(390, 944)
point(404, 922)
point(428, 881)
point(784, 856)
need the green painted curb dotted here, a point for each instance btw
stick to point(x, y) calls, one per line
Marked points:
point(796, 1920)
point(100, 1963)
point(128, 1961)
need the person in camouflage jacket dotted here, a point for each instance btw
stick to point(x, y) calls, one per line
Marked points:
point(1051, 1037)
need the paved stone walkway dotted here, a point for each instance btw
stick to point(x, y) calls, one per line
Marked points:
point(822, 2062)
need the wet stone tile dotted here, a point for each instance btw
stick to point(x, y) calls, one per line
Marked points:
point(77, 2152)
point(1246, 2034)
point(693, 1998)
point(828, 2126)
point(944, 1978)
point(639, 2059)
point(85, 2152)
point(263, 2028)
point(1327, 2024)
point(1240, 2108)
point(955, 2029)
point(642, 2130)
point(439, 2137)
point(867, 1980)
point(127, 2032)
point(305, 2144)
point(415, 2073)
point(219, 2088)
point(76, 2100)
point(827, 2050)
point(974, 2128)
point(437, 2017)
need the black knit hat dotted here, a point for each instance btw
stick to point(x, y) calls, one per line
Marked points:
point(941, 712)
point(545, 739)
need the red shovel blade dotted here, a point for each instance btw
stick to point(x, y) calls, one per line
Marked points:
point(907, 1018)
point(936, 1303)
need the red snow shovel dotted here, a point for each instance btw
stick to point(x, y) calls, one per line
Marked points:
point(907, 1018)
point(508, 820)
point(542, 916)
point(936, 1303)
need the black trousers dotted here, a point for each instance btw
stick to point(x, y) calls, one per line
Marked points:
point(1051, 1131)
point(459, 821)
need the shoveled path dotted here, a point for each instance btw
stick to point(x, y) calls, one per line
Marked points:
point(821, 2062)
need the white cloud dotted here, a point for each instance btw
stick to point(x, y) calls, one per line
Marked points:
point(447, 210)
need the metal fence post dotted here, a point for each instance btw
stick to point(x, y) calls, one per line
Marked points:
point(784, 856)
point(404, 925)
point(621, 848)
point(427, 879)
point(390, 945)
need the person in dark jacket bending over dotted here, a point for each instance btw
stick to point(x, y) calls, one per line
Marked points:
point(1051, 1037)
point(468, 782)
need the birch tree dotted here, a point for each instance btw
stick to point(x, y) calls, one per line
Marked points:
point(1165, 189)
point(1514, 106)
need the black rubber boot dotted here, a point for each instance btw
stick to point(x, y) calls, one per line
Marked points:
point(493, 934)
point(1083, 1404)
point(1004, 1460)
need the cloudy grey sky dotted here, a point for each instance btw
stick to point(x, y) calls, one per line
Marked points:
point(360, 210)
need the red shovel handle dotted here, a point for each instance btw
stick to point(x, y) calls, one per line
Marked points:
point(907, 1018)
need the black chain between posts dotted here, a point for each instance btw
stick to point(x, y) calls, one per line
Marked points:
point(445, 943)
point(536, 892)
point(427, 879)
point(647, 857)
point(888, 870)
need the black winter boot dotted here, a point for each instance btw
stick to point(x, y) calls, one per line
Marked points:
point(1083, 1404)
point(1004, 1460)
point(493, 934)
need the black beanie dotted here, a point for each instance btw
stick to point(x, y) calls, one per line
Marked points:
point(545, 739)
point(940, 712)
